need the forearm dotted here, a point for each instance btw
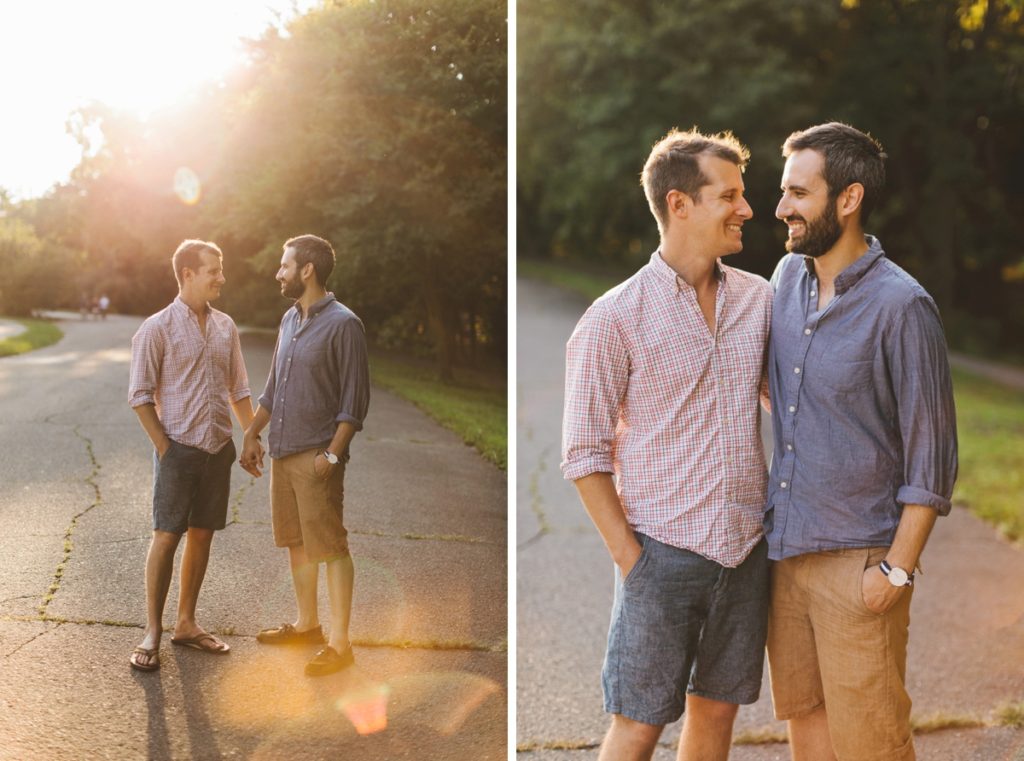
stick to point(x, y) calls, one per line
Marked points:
point(152, 426)
point(597, 491)
point(343, 436)
point(258, 421)
point(911, 535)
point(243, 412)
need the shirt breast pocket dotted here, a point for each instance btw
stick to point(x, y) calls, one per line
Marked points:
point(849, 367)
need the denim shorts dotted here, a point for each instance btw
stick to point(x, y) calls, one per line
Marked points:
point(684, 624)
point(191, 487)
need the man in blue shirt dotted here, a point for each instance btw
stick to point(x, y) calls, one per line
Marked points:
point(315, 400)
point(865, 456)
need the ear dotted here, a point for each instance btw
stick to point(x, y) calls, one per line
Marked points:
point(849, 200)
point(308, 271)
point(678, 203)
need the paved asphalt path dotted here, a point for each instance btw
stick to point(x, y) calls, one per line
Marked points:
point(967, 635)
point(428, 523)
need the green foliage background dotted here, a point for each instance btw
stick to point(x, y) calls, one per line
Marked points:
point(939, 82)
point(377, 124)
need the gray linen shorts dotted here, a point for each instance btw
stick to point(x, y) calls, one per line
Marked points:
point(682, 623)
point(191, 488)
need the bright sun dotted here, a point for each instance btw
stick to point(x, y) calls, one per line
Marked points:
point(136, 56)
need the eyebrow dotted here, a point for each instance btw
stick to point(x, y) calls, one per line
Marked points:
point(784, 188)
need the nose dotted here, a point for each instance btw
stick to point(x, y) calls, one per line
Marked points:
point(784, 209)
point(744, 209)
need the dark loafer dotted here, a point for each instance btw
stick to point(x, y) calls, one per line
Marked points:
point(286, 634)
point(327, 661)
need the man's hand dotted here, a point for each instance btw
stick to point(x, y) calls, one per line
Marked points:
point(252, 455)
point(161, 447)
point(629, 558)
point(322, 466)
point(879, 595)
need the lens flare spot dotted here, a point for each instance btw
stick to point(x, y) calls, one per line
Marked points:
point(440, 700)
point(187, 186)
point(366, 708)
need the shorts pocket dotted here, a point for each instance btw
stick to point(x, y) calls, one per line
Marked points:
point(641, 561)
point(869, 558)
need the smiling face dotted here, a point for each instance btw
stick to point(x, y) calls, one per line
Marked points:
point(716, 221)
point(805, 206)
point(206, 282)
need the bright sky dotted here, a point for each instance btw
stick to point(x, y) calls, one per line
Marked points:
point(136, 55)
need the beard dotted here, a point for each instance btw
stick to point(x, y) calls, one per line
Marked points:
point(292, 288)
point(820, 235)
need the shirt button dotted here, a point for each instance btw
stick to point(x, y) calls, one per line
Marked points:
point(789, 447)
point(807, 332)
point(796, 370)
point(295, 338)
point(812, 293)
point(783, 484)
point(792, 408)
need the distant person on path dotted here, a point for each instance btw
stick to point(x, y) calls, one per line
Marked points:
point(315, 401)
point(104, 304)
point(663, 374)
point(865, 456)
point(187, 376)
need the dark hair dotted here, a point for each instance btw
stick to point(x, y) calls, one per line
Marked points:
point(188, 255)
point(311, 249)
point(674, 165)
point(850, 156)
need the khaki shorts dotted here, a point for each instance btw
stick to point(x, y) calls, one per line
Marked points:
point(825, 648)
point(306, 509)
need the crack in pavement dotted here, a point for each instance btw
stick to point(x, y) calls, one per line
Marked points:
point(536, 502)
point(69, 546)
point(397, 644)
point(28, 642)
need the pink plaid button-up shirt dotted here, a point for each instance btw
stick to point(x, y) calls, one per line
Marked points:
point(191, 378)
point(672, 410)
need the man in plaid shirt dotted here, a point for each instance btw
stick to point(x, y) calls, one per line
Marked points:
point(662, 439)
point(187, 377)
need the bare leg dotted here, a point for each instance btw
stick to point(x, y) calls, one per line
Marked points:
point(304, 579)
point(194, 560)
point(809, 738)
point(629, 740)
point(159, 569)
point(707, 729)
point(340, 582)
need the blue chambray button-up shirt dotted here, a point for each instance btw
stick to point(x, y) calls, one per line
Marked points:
point(862, 407)
point(319, 377)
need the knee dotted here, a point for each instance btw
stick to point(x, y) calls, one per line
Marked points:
point(711, 711)
point(200, 536)
point(636, 732)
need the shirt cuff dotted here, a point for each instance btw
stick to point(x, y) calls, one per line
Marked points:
point(580, 466)
point(240, 395)
point(141, 398)
point(911, 495)
point(344, 417)
point(265, 403)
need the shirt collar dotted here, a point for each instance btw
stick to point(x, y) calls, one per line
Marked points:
point(317, 307)
point(850, 276)
point(184, 309)
point(669, 276)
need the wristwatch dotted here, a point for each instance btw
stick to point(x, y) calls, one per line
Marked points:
point(896, 575)
point(331, 457)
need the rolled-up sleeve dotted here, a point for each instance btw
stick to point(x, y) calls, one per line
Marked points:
point(923, 389)
point(353, 372)
point(596, 377)
point(147, 356)
point(266, 400)
point(238, 381)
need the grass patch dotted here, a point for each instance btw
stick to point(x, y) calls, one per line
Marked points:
point(990, 425)
point(475, 406)
point(38, 333)
point(1010, 715)
point(587, 283)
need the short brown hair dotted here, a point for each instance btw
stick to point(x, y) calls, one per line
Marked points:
point(315, 250)
point(850, 156)
point(674, 165)
point(188, 255)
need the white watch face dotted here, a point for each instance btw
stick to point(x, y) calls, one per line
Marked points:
point(898, 577)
